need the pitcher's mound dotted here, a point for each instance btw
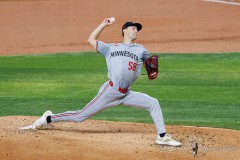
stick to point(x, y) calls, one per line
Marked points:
point(111, 140)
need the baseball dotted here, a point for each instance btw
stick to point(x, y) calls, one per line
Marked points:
point(111, 20)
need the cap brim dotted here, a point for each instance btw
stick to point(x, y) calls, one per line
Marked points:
point(138, 25)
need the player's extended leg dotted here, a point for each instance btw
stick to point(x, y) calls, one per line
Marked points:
point(107, 97)
point(141, 100)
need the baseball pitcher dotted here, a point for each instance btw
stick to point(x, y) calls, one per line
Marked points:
point(124, 62)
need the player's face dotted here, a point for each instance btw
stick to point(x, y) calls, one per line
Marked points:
point(131, 32)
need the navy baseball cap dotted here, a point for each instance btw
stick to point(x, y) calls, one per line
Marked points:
point(129, 24)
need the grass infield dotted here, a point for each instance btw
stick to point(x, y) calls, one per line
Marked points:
point(193, 89)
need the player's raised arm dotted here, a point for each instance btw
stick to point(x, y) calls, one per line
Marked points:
point(92, 40)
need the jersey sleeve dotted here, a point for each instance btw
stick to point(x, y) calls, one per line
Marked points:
point(102, 48)
point(146, 55)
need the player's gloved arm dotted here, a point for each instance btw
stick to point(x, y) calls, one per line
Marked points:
point(92, 40)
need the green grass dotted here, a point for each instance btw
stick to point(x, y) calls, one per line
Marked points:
point(193, 89)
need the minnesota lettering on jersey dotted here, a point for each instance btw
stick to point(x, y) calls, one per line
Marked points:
point(124, 53)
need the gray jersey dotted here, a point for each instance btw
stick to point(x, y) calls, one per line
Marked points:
point(124, 61)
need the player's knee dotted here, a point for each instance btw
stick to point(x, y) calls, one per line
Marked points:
point(154, 102)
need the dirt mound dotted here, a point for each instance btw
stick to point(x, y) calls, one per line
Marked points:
point(111, 140)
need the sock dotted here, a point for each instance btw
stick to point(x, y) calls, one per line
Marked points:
point(162, 134)
point(49, 119)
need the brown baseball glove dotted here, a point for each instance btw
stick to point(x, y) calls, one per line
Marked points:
point(151, 66)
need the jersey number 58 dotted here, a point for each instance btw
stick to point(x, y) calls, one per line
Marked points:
point(132, 66)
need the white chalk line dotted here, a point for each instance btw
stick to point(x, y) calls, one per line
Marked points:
point(223, 1)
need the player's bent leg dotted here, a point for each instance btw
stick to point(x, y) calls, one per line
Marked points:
point(141, 100)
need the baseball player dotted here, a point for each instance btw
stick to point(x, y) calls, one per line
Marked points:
point(124, 62)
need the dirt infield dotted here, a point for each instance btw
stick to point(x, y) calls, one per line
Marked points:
point(50, 26)
point(111, 140)
point(53, 26)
